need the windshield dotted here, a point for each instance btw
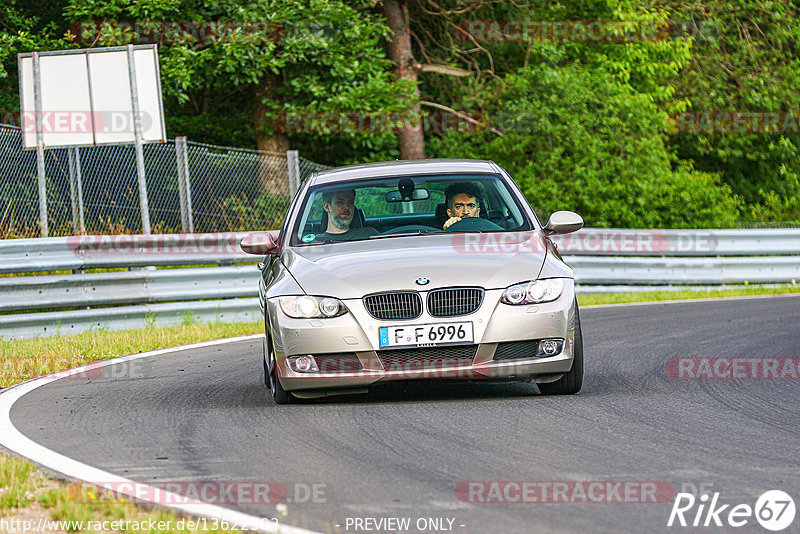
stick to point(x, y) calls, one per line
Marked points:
point(413, 205)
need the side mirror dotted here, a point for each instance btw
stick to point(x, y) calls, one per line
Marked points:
point(563, 222)
point(260, 243)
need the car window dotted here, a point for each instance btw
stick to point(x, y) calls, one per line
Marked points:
point(387, 207)
point(372, 201)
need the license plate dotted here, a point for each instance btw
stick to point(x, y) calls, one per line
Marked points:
point(425, 335)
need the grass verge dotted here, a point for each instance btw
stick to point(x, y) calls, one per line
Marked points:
point(29, 358)
point(589, 299)
point(30, 501)
point(18, 482)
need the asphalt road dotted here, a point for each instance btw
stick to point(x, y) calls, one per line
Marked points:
point(403, 451)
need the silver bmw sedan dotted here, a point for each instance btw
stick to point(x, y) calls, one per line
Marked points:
point(408, 270)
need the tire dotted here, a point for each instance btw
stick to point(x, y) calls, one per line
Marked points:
point(571, 382)
point(271, 380)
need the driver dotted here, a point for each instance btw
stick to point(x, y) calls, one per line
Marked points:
point(463, 201)
point(341, 209)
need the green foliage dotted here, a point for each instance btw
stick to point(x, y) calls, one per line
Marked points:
point(579, 139)
point(25, 27)
point(646, 60)
point(328, 55)
point(774, 208)
point(326, 50)
point(746, 57)
point(585, 121)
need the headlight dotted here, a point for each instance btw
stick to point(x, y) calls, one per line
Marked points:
point(533, 292)
point(308, 307)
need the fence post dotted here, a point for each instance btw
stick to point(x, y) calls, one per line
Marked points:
point(293, 163)
point(76, 190)
point(40, 168)
point(137, 134)
point(184, 189)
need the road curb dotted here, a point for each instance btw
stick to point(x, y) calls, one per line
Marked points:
point(13, 440)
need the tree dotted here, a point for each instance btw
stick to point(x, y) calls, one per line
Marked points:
point(431, 49)
point(410, 137)
point(746, 57)
point(282, 58)
point(317, 59)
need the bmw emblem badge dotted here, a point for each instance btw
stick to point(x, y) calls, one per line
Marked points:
point(422, 281)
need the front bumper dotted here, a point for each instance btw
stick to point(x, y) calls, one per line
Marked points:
point(356, 333)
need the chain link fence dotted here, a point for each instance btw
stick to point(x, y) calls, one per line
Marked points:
point(94, 189)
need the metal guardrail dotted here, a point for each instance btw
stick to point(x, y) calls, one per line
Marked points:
point(594, 270)
point(114, 251)
point(624, 242)
point(127, 287)
point(137, 294)
point(21, 326)
point(671, 257)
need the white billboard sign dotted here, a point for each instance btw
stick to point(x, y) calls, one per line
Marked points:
point(87, 96)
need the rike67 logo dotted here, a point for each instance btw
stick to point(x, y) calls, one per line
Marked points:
point(774, 510)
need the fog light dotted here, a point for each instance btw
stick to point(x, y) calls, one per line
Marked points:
point(303, 364)
point(550, 347)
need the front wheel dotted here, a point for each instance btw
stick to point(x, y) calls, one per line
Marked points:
point(572, 381)
point(271, 380)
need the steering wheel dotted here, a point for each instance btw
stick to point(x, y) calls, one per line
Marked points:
point(473, 224)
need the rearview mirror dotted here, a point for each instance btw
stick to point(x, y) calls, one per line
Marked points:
point(417, 194)
point(260, 243)
point(563, 222)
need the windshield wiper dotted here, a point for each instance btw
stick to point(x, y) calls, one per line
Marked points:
point(405, 234)
point(323, 241)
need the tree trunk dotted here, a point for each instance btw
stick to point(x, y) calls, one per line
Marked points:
point(411, 138)
point(273, 175)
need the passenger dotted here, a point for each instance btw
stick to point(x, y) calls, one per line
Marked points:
point(341, 209)
point(463, 201)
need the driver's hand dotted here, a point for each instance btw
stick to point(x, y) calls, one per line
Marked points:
point(450, 221)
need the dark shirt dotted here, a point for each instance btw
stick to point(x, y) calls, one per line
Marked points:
point(353, 234)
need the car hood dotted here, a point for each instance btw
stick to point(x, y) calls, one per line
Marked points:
point(354, 269)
